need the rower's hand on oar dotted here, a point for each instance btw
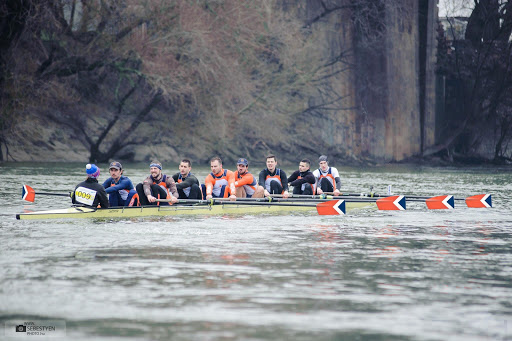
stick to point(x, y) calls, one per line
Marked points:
point(208, 197)
point(286, 194)
point(173, 199)
point(319, 191)
point(151, 198)
point(232, 197)
point(336, 192)
point(266, 193)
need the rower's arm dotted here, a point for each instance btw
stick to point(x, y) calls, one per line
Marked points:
point(189, 181)
point(146, 185)
point(338, 183)
point(123, 184)
point(103, 199)
point(171, 185)
point(293, 177)
point(261, 179)
point(284, 180)
point(208, 183)
point(231, 182)
point(247, 179)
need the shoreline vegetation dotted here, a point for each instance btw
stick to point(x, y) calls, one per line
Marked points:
point(366, 82)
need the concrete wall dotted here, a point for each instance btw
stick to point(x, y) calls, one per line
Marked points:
point(384, 122)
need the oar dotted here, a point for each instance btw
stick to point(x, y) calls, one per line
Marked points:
point(433, 203)
point(330, 207)
point(303, 200)
point(28, 193)
point(448, 201)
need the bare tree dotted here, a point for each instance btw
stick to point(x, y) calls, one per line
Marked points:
point(480, 66)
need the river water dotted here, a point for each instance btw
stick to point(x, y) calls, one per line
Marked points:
point(369, 275)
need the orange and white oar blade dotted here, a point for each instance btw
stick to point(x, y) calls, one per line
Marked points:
point(393, 203)
point(479, 200)
point(332, 207)
point(28, 193)
point(442, 202)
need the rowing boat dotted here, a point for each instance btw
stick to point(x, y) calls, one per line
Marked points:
point(176, 210)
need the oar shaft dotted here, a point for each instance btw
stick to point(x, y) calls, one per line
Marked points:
point(54, 194)
point(220, 201)
point(425, 198)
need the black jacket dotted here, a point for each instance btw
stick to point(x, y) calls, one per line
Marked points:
point(305, 177)
point(101, 195)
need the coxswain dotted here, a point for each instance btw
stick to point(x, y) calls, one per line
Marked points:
point(220, 183)
point(89, 192)
point(186, 183)
point(157, 186)
point(118, 187)
point(302, 180)
point(273, 179)
point(327, 178)
point(245, 183)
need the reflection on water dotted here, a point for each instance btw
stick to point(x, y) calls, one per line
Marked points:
point(369, 275)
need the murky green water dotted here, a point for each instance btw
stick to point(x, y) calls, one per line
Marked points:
point(370, 275)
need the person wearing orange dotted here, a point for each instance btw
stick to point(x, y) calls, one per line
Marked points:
point(273, 179)
point(220, 183)
point(157, 186)
point(302, 180)
point(327, 178)
point(245, 183)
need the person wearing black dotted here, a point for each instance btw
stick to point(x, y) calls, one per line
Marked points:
point(273, 179)
point(186, 183)
point(89, 192)
point(303, 179)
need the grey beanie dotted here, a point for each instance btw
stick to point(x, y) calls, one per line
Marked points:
point(322, 158)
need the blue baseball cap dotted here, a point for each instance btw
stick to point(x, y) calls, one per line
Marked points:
point(242, 161)
point(116, 165)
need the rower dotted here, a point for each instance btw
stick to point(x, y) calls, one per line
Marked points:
point(302, 180)
point(118, 187)
point(220, 183)
point(245, 183)
point(186, 183)
point(327, 178)
point(157, 186)
point(89, 192)
point(273, 179)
